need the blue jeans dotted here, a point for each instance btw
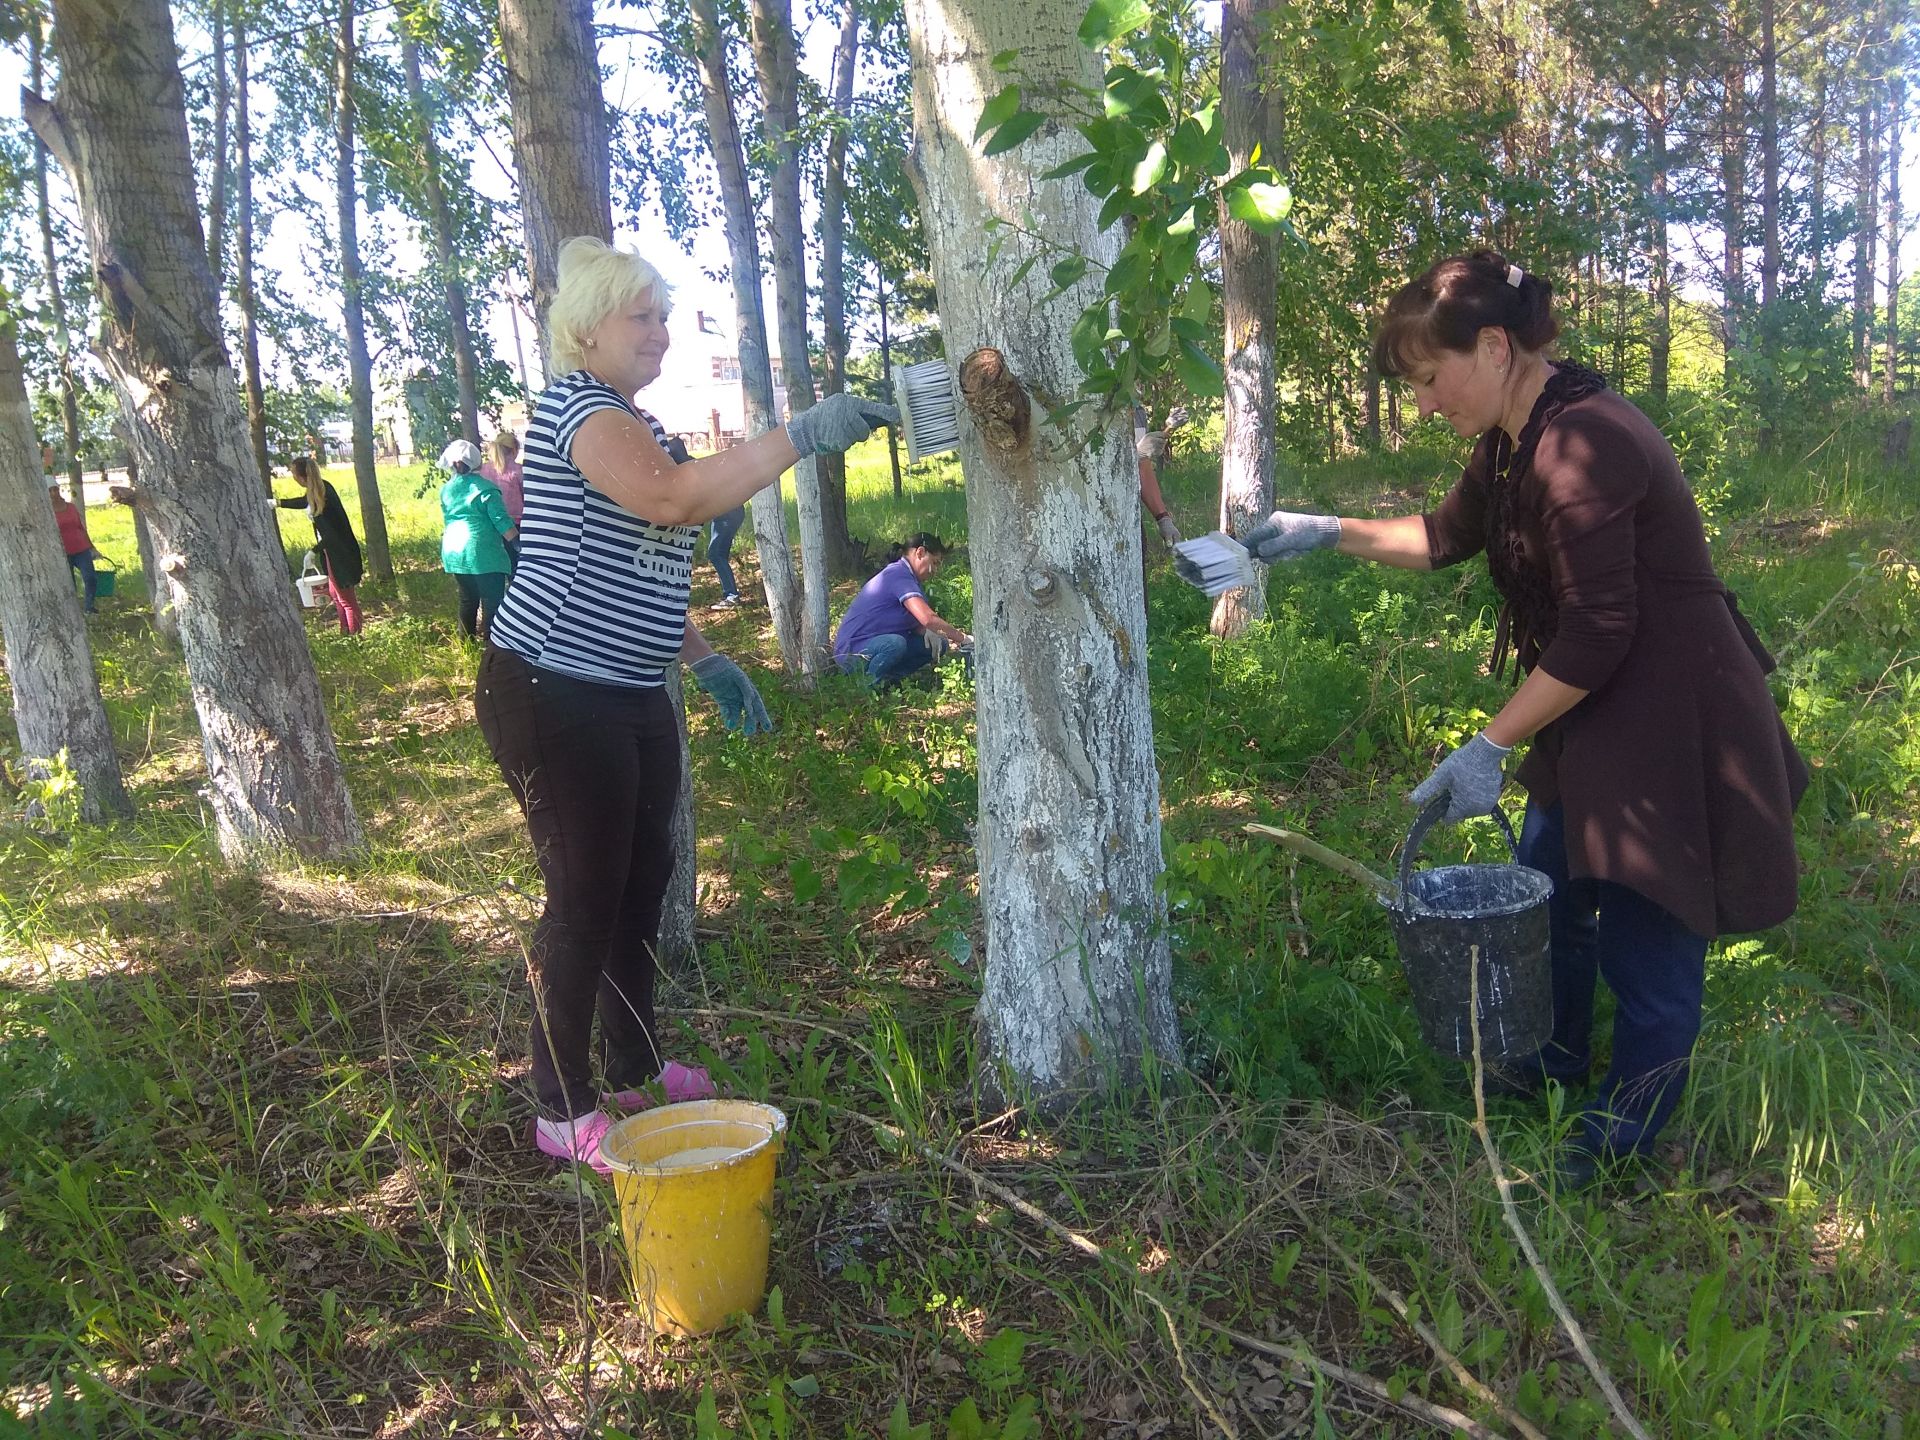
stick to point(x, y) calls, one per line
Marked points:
point(1656, 968)
point(82, 564)
point(720, 546)
point(888, 659)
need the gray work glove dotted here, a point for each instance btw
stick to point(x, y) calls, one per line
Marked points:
point(838, 423)
point(1152, 445)
point(740, 705)
point(1169, 531)
point(1289, 534)
point(1470, 778)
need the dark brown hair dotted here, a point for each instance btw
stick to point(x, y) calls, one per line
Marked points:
point(1447, 308)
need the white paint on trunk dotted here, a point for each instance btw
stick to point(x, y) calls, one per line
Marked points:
point(1077, 985)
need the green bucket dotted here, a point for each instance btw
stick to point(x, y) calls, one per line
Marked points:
point(104, 571)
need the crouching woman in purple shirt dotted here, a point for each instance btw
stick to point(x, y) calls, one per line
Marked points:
point(884, 632)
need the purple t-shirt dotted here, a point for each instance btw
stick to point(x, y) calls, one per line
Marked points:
point(879, 609)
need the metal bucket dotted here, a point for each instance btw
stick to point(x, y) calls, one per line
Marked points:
point(1442, 915)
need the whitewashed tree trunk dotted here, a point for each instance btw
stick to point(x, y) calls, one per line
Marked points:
point(773, 58)
point(56, 300)
point(560, 144)
point(120, 129)
point(756, 370)
point(56, 697)
point(1247, 285)
point(1077, 986)
point(243, 261)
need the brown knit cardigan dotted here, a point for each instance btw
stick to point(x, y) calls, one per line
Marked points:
point(1677, 776)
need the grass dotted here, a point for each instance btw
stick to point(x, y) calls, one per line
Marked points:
point(263, 1166)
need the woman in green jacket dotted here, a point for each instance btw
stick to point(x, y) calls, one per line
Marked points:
point(473, 547)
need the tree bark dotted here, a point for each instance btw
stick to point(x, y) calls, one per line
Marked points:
point(559, 132)
point(560, 143)
point(1733, 207)
point(750, 322)
point(440, 221)
point(56, 295)
point(1769, 158)
point(56, 697)
point(217, 189)
point(243, 263)
point(1077, 983)
point(886, 375)
point(1818, 143)
point(353, 285)
point(1660, 342)
point(844, 557)
point(773, 58)
point(120, 129)
point(1866, 234)
point(1896, 103)
point(1248, 280)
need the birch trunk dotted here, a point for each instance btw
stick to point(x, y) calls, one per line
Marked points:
point(453, 286)
point(243, 262)
point(1896, 102)
point(844, 557)
point(773, 58)
point(559, 135)
point(1248, 280)
point(1077, 985)
point(750, 322)
point(56, 298)
point(1866, 235)
point(353, 284)
point(120, 129)
point(560, 143)
point(56, 697)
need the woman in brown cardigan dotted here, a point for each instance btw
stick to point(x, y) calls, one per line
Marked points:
point(1661, 783)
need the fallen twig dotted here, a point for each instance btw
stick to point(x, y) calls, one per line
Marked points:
point(1512, 1212)
point(1332, 859)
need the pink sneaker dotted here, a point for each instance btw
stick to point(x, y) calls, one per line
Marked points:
point(679, 1082)
point(576, 1141)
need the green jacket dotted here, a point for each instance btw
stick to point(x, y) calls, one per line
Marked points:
point(475, 513)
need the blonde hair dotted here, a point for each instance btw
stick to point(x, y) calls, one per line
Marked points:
point(595, 280)
point(506, 445)
point(302, 468)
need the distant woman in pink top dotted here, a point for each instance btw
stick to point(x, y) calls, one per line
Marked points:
point(75, 541)
point(503, 469)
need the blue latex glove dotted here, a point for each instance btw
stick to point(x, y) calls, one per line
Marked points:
point(740, 705)
point(838, 423)
point(1289, 534)
point(1470, 778)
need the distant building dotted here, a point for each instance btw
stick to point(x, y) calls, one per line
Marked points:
point(699, 395)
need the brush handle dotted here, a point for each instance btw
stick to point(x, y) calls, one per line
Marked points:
point(1332, 859)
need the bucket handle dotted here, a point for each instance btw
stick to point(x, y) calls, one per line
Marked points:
point(1424, 822)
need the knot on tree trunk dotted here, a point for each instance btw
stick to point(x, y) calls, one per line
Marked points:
point(999, 404)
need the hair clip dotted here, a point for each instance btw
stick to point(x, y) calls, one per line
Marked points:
point(1515, 275)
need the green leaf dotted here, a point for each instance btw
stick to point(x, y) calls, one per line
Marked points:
point(1115, 207)
point(1198, 371)
point(1015, 131)
point(1086, 335)
point(1152, 166)
point(900, 1427)
point(1127, 89)
point(1021, 270)
point(1198, 306)
point(1068, 273)
point(1260, 205)
point(1191, 146)
point(1005, 61)
point(1002, 108)
point(1111, 20)
point(805, 1386)
point(1189, 218)
point(1023, 1420)
point(1071, 167)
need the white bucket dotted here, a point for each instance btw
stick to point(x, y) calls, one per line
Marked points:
point(311, 586)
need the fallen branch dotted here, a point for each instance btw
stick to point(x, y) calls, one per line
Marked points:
point(1332, 859)
point(1512, 1212)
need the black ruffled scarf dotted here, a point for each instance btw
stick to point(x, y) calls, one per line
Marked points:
point(1528, 619)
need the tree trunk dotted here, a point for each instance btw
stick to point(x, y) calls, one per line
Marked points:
point(56, 698)
point(243, 263)
point(353, 284)
point(1769, 158)
point(886, 375)
point(56, 295)
point(1733, 202)
point(1896, 102)
point(1077, 983)
point(217, 188)
point(1866, 234)
point(1248, 278)
point(439, 220)
point(559, 130)
point(773, 58)
point(560, 142)
point(844, 557)
point(1817, 187)
point(120, 129)
point(1660, 343)
point(750, 324)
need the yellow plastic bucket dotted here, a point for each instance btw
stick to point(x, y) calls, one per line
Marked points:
point(695, 1185)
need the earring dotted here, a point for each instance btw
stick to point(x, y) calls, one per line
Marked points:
point(591, 343)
